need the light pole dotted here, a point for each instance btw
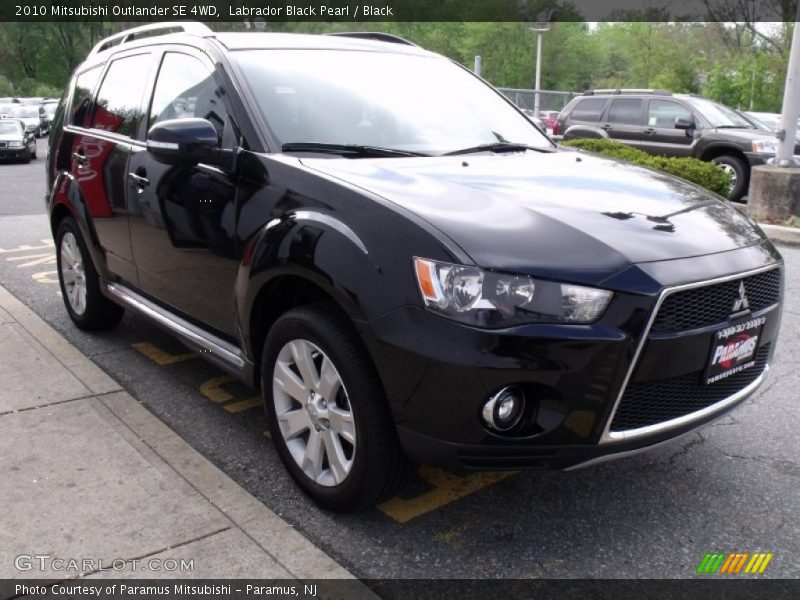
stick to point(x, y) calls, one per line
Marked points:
point(544, 19)
point(787, 130)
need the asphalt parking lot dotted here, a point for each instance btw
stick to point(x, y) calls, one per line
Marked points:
point(732, 487)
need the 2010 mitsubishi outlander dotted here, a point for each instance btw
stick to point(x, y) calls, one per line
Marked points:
point(407, 268)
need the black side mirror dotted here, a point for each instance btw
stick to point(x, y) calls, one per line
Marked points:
point(681, 123)
point(185, 142)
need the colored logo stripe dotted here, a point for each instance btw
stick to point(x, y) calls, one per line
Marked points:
point(711, 562)
point(723, 563)
point(759, 562)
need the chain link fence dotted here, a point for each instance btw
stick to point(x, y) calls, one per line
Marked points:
point(548, 99)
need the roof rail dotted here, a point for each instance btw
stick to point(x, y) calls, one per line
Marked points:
point(374, 35)
point(151, 30)
point(628, 91)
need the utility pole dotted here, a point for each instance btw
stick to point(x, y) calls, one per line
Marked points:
point(787, 130)
point(544, 19)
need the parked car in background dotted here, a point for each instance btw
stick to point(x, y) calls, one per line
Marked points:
point(33, 116)
point(50, 107)
point(769, 121)
point(549, 118)
point(535, 120)
point(673, 125)
point(5, 109)
point(16, 142)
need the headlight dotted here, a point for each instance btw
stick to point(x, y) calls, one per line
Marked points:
point(489, 299)
point(765, 146)
point(15, 144)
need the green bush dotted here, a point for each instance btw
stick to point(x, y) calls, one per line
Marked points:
point(704, 174)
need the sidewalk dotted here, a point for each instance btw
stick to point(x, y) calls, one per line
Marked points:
point(88, 473)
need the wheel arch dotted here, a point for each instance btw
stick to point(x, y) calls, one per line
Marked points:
point(66, 200)
point(723, 150)
point(282, 293)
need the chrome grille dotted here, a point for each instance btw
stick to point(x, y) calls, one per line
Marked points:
point(652, 402)
point(711, 305)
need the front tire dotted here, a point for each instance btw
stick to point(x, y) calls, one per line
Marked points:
point(80, 283)
point(327, 411)
point(739, 173)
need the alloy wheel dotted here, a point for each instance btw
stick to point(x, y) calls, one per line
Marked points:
point(313, 412)
point(73, 273)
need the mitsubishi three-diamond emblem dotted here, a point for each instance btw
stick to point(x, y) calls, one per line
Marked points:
point(741, 303)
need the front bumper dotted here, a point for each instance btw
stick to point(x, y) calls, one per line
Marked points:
point(13, 153)
point(438, 374)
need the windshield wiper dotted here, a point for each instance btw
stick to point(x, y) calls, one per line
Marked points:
point(350, 150)
point(495, 147)
point(735, 127)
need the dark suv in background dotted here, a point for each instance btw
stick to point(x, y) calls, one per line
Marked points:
point(659, 122)
point(404, 264)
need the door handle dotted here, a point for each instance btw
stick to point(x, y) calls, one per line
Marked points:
point(138, 180)
point(80, 158)
point(649, 131)
point(606, 126)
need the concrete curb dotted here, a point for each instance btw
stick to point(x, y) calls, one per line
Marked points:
point(781, 234)
point(149, 436)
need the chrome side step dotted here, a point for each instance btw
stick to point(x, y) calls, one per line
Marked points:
point(214, 349)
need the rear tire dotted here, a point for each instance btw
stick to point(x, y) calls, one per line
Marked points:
point(739, 172)
point(327, 411)
point(80, 283)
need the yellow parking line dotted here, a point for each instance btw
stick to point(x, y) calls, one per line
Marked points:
point(212, 389)
point(162, 357)
point(46, 277)
point(37, 259)
point(46, 245)
point(448, 488)
point(243, 405)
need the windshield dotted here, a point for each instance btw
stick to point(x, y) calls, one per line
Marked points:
point(718, 115)
point(6, 128)
point(50, 109)
point(24, 112)
point(768, 121)
point(413, 103)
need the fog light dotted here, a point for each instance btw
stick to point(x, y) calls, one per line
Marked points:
point(504, 410)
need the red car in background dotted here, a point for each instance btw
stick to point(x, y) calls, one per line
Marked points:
point(549, 117)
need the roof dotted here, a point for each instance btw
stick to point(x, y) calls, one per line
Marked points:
point(272, 41)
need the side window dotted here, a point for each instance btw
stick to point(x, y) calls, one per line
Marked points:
point(185, 88)
point(82, 97)
point(589, 109)
point(118, 105)
point(626, 111)
point(662, 114)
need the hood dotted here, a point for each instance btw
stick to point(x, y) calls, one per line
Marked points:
point(560, 212)
point(11, 137)
point(745, 136)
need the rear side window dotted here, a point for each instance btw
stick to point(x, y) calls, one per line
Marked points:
point(118, 108)
point(589, 109)
point(626, 111)
point(82, 97)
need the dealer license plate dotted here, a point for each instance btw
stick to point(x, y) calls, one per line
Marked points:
point(734, 349)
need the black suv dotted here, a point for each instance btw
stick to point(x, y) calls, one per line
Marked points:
point(673, 125)
point(405, 265)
